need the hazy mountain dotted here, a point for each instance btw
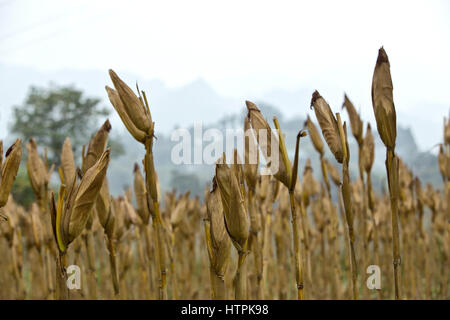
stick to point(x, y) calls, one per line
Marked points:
point(171, 106)
point(197, 101)
point(195, 177)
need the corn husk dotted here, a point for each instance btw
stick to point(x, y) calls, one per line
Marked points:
point(355, 121)
point(37, 171)
point(236, 219)
point(383, 101)
point(368, 153)
point(117, 103)
point(121, 223)
point(262, 187)
point(36, 226)
point(220, 241)
point(250, 148)
point(333, 172)
point(180, 211)
point(96, 146)
point(237, 168)
point(9, 169)
point(68, 162)
point(314, 135)
point(265, 137)
point(140, 193)
point(79, 206)
point(442, 160)
point(313, 186)
point(406, 177)
point(328, 124)
point(447, 131)
point(134, 107)
point(274, 189)
point(418, 190)
point(95, 149)
point(119, 219)
point(130, 216)
point(152, 182)
point(298, 192)
point(103, 208)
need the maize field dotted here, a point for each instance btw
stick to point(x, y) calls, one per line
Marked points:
point(254, 235)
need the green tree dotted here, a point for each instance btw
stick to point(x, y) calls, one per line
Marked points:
point(51, 114)
point(21, 188)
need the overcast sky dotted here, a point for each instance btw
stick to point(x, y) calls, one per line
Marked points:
point(247, 48)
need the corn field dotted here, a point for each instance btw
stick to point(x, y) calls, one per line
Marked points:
point(254, 235)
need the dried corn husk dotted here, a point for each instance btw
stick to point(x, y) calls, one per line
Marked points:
point(38, 172)
point(131, 217)
point(117, 103)
point(133, 106)
point(355, 121)
point(68, 162)
point(328, 124)
point(314, 135)
point(36, 226)
point(236, 219)
point(103, 208)
point(141, 195)
point(96, 146)
point(263, 187)
point(80, 201)
point(333, 172)
point(180, 211)
point(151, 177)
point(383, 102)
point(368, 153)
point(268, 142)
point(447, 131)
point(236, 167)
point(220, 242)
point(251, 156)
point(312, 186)
point(442, 160)
point(10, 166)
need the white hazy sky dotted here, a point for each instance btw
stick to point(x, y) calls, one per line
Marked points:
point(247, 48)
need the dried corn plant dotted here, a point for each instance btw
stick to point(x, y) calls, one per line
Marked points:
point(384, 109)
point(218, 243)
point(229, 182)
point(9, 167)
point(71, 211)
point(286, 174)
point(255, 233)
point(135, 114)
point(335, 135)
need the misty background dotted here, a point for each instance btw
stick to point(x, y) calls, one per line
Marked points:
point(200, 61)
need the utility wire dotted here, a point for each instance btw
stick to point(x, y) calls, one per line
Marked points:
point(40, 23)
point(48, 35)
point(6, 3)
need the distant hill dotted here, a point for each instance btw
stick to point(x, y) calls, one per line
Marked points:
point(171, 106)
point(195, 177)
point(198, 101)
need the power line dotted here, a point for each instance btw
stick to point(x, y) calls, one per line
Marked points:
point(6, 3)
point(32, 26)
point(48, 36)
point(40, 23)
point(33, 41)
